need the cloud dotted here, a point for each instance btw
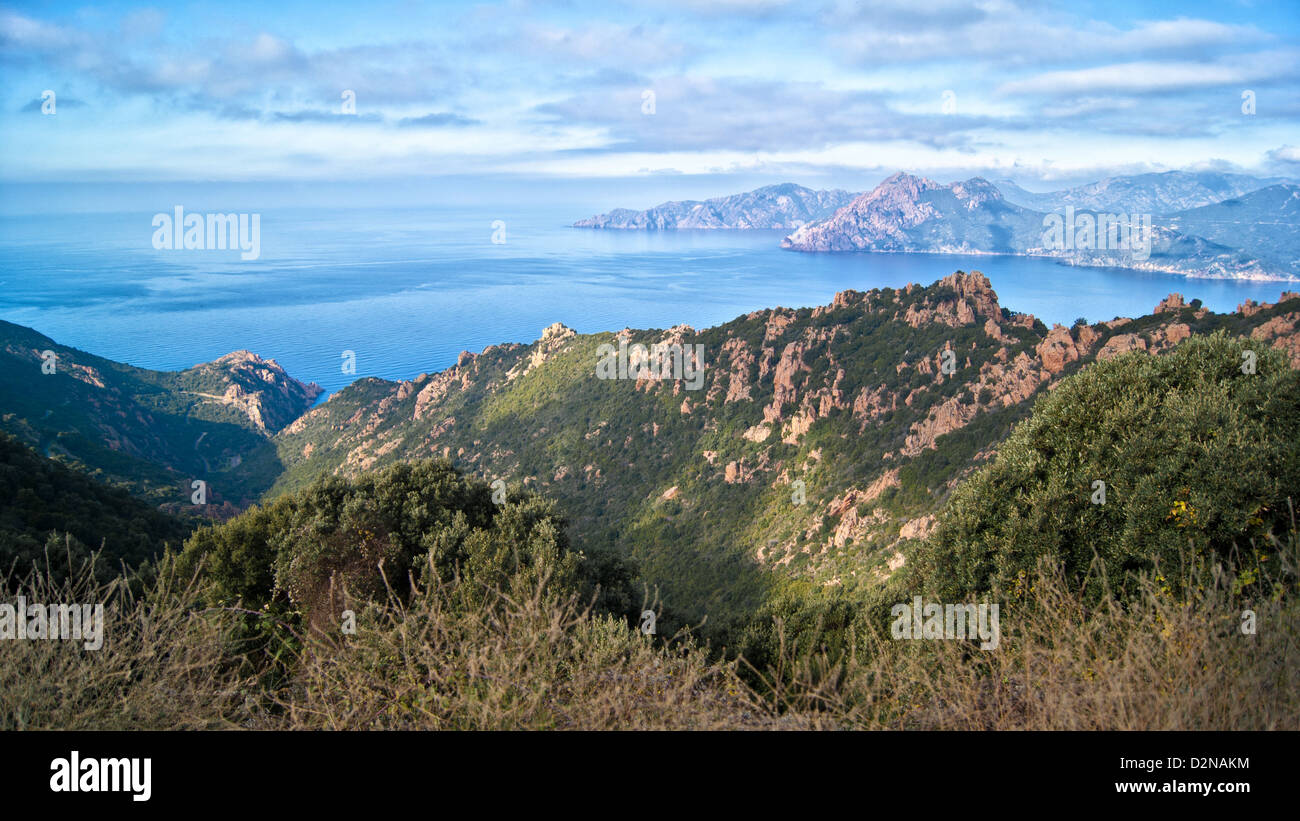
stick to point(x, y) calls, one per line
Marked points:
point(747, 8)
point(143, 24)
point(1285, 153)
point(1009, 33)
point(19, 32)
point(1283, 160)
point(745, 115)
point(738, 85)
point(618, 46)
point(225, 74)
point(1136, 78)
point(323, 117)
point(438, 119)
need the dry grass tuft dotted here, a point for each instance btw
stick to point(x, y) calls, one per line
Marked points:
point(526, 660)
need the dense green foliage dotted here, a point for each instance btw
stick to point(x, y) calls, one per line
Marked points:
point(358, 540)
point(474, 613)
point(52, 518)
point(637, 474)
point(1192, 451)
point(609, 451)
point(675, 481)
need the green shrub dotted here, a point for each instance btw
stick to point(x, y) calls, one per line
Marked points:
point(1193, 452)
point(356, 540)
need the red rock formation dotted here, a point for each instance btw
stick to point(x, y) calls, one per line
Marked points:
point(1120, 344)
point(871, 403)
point(1282, 331)
point(918, 528)
point(1170, 304)
point(1060, 347)
point(975, 297)
point(741, 359)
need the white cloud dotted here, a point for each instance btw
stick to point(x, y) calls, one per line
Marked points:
point(1146, 76)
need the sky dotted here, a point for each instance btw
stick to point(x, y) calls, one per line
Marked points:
point(705, 97)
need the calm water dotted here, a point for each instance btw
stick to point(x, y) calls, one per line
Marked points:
point(408, 290)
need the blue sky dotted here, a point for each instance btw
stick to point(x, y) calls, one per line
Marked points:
point(823, 93)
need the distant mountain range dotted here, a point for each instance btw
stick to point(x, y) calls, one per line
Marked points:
point(1198, 224)
point(774, 207)
point(1142, 193)
point(1265, 221)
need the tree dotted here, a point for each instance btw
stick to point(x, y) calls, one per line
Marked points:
point(1192, 451)
point(361, 537)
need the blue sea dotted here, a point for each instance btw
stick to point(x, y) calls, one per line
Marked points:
point(408, 289)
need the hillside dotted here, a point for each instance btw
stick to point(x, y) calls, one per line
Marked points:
point(413, 598)
point(46, 506)
point(1159, 193)
point(773, 207)
point(815, 451)
point(1265, 223)
point(827, 464)
point(153, 432)
point(912, 214)
point(907, 213)
point(698, 486)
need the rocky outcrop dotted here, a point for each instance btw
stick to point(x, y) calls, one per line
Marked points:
point(851, 525)
point(945, 418)
point(741, 359)
point(1000, 384)
point(257, 388)
point(1170, 335)
point(1121, 344)
point(1281, 331)
point(918, 528)
point(553, 338)
point(908, 213)
point(791, 364)
point(873, 402)
point(433, 393)
point(1063, 346)
point(1250, 307)
point(1170, 304)
point(1010, 383)
point(974, 299)
point(1057, 350)
point(737, 472)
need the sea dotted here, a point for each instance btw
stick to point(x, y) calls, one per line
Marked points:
point(407, 289)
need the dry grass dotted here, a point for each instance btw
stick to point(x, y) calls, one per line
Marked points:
point(163, 663)
point(525, 660)
point(1159, 662)
point(513, 661)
